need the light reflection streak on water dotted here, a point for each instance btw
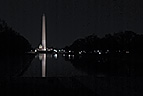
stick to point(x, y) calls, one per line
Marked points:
point(43, 58)
point(44, 65)
point(52, 65)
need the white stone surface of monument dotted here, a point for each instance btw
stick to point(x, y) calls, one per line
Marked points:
point(44, 32)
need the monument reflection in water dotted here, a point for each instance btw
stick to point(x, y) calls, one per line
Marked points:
point(42, 57)
point(51, 65)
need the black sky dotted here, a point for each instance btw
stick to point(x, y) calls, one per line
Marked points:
point(68, 20)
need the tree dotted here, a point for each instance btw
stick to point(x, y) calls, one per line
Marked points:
point(11, 41)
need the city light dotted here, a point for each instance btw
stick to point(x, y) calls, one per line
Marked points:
point(55, 56)
point(127, 52)
point(55, 50)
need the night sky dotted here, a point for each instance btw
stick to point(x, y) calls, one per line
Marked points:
point(68, 20)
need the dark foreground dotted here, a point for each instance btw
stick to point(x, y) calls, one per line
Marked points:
point(106, 80)
point(73, 86)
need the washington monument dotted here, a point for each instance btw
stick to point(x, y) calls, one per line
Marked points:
point(43, 33)
point(42, 47)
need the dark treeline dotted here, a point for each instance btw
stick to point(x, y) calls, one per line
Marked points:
point(12, 42)
point(123, 41)
point(121, 54)
point(13, 61)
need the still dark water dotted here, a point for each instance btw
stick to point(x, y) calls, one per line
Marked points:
point(54, 74)
point(51, 65)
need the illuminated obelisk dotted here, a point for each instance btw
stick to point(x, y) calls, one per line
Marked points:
point(43, 33)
